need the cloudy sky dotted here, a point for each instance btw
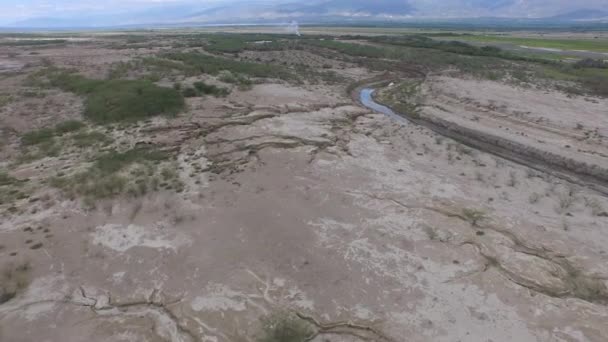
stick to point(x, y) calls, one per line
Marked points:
point(15, 10)
point(130, 11)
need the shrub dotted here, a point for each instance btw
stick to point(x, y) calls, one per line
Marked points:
point(241, 81)
point(119, 100)
point(534, 198)
point(115, 161)
point(189, 92)
point(4, 100)
point(126, 100)
point(473, 216)
point(209, 89)
point(284, 327)
point(46, 135)
point(6, 179)
point(86, 139)
point(104, 178)
point(68, 126)
point(13, 279)
point(32, 42)
point(37, 137)
point(227, 77)
point(597, 84)
point(565, 201)
point(591, 63)
point(214, 65)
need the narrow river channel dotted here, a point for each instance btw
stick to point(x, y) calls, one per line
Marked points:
point(367, 99)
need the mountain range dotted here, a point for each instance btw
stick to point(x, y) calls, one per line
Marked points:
point(188, 12)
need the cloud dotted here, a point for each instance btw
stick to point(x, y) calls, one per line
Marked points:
point(110, 12)
point(15, 10)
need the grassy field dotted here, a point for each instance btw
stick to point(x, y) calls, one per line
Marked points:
point(598, 45)
point(115, 100)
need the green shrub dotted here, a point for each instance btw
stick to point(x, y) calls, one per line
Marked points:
point(115, 161)
point(126, 100)
point(4, 100)
point(68, 126)
point(189, 92)
point(105, 178)
point(46, 135)
point(6, 179)
point(473, 216)
point(353, 49)
point(597, 84)
point(33, 42)
point(119, 100)
point(226, 44)
point(591, 63)
point(228, 77)
point(87, 139)
point(72, 82)
point(214, 65)
point(284, 327)
point(92, 184)
point(210, 89)
point(14, 279)
point(37, 137)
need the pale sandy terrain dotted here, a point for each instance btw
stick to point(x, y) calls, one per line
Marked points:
point(313, 203)
point(545, 119)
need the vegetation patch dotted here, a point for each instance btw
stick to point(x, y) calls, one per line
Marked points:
point(241, 80)
point(403, 98)
point(49, 142)
point(213, 65)
point(353, 49)
point(126, 100)
point(11, 189)
point(133, 172)
point(88, 139)
point(40, 136)
point(153, 66)
point(461, 48)
point(115, 161)
point(210, 89)
point(13, 280)
point(46, 135)
point(119, 100)
point(419, 52)
point(563, 44)
point(68, 127)
point(284, 327)
point(237, 43)
point(473, 216)
point(33, 42)
point(5, 99)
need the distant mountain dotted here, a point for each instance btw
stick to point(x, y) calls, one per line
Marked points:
point(351, 7)
point(583, 14)
point(195, 12)
point(491, 4)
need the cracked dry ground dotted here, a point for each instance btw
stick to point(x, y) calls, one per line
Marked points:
point(314, 204)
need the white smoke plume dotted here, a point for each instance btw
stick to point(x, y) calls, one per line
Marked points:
point(294, 28)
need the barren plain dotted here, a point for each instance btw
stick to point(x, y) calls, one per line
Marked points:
point(262, 185)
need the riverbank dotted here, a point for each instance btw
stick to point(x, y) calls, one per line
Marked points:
point(574, 161)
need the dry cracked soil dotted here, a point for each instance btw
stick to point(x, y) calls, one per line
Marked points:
point(296, 197)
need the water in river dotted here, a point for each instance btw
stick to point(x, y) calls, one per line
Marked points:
point(367, 100)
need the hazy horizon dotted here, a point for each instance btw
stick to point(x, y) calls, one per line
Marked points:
point(126, 12)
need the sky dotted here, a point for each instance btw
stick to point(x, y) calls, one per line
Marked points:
point(17, 10)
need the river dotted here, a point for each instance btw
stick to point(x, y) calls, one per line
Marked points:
point(367, 99)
